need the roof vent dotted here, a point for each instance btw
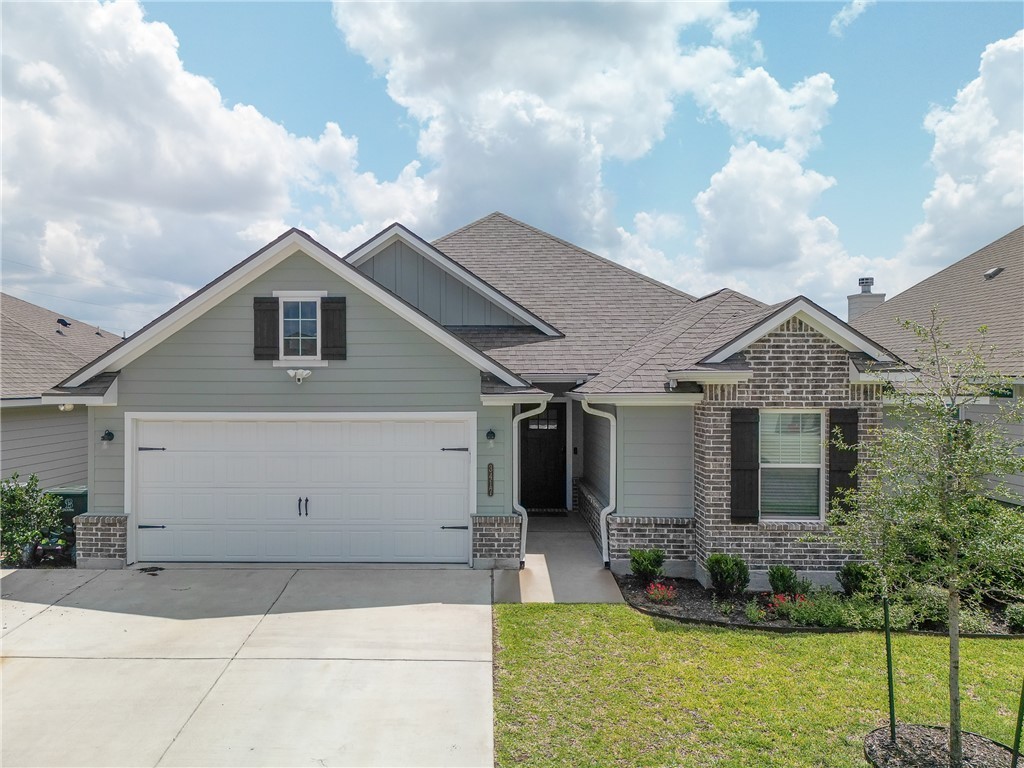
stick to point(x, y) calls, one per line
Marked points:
point(992, 273)
point(865, 284)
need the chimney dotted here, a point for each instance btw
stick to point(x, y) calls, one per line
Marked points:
point(862, 302)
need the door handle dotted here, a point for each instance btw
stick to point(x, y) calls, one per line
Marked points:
point(307, 506)
point(300, 506)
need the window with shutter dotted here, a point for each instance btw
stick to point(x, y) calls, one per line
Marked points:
point(265, 328)
point(744, 466)
point(842, 463)
point(299, 327)
point(790, 463)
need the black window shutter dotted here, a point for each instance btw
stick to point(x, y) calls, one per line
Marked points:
point(841, 463)
point(265, 328)
point(744, 440)
point(332, 316)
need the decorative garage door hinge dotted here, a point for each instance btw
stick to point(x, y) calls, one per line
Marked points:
point(455, 449)
point(455, 527)
point(152, 526)
point(144, 448)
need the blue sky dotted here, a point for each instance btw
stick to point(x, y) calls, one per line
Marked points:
point(768, 147)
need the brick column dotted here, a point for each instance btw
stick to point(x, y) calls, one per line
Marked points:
point(101, 540)
point(496, 541)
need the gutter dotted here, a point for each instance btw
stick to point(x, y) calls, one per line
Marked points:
point(518, 508)
point(611, 477)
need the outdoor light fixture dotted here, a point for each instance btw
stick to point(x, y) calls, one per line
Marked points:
point(490, 437)
point(298, 374)
point(65, 407)
point(106, 438)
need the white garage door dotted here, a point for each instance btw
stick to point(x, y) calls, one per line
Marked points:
point(384, 489)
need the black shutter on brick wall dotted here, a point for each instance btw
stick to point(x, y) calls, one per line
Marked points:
point(841, 463)
point(332, 314)
point(265, 328)
point(744, 441)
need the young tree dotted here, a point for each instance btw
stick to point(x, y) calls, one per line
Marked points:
point(924, 510)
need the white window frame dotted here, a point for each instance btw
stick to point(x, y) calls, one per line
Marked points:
point(822, 480)
point(292, 360)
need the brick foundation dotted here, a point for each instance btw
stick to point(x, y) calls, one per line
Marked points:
point(589, 509)
point(496, 541)
point(673, 535)
point(101, 540)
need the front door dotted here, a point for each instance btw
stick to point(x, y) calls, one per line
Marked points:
point(543, 459)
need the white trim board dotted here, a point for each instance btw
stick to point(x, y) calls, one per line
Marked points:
point(397, 232)
point(262, 261)
point(131, 418)
point(803, 309)
point(107, 398)
point(634, 398)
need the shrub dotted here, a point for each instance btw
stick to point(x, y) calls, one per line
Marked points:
point(27, 511)
point(783, 580)
point(660, 593)
point(930, 604)
point(862, 612)
point(824, 609)
point(729, 575)
point(782, 605)
point(855, 578)
point(1015, 616)
point(646, 564)
point(754, 612)
point(974, 619)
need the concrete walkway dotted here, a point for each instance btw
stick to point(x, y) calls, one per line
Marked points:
point(563, 565)
point(247, 667)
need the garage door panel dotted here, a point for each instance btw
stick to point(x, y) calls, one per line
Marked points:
point(378, 490)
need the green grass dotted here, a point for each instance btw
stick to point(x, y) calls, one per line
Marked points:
point(602, 685)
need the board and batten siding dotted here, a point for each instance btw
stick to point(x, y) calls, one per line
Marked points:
point(596, 432)
point(43, 441)
point(208, 366)
point(1015, 432)
point(433, 291)
point(656, 461)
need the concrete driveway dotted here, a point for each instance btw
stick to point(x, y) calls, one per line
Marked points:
point(247, 667)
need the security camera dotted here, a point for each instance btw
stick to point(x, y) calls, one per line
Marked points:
point(298, 374)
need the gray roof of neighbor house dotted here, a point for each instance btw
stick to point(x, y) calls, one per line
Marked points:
point(966, 300)
point(601, 307)
point(38, 351)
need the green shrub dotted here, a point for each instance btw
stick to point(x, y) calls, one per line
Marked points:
point(856, 577)
point(25, 512)
point(824, 609)
point(783, 580)
point(754, 612)
point(729, 575)
point(1015, 616)
point(930, 604)
point(974, 619)
point(646, 564)
point(863, 612)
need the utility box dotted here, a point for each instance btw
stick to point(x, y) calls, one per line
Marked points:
point(74, 500)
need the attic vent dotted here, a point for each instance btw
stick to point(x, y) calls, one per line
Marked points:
point(992, 273)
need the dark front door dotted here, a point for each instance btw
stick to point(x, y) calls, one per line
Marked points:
point(542, 444)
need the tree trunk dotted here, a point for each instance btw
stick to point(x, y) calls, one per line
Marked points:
point(956, 750)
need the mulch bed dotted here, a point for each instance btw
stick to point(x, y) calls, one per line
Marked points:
point(927, 746)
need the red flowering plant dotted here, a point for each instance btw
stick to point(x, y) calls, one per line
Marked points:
point(781, 605)
point(660, 593)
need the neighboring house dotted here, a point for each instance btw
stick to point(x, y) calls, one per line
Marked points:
point(38, 349)
point(412, 401)
point(983, 289)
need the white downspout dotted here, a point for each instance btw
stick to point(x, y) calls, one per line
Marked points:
point(516, 506)
point(611, 477)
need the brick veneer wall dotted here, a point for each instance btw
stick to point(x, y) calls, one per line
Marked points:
point(673, 535)
point(496, 541)
point(589, 508)
point(793, 367)
point(101, 540)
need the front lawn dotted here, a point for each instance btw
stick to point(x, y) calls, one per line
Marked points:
point(602, 685)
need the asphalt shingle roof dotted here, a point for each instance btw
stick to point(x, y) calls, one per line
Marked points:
point(601, 307)
point(37, 353)
point(966, 301)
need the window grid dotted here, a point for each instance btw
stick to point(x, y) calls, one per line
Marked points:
point(791, 463)
point(300, 326)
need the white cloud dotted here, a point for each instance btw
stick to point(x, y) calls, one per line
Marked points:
point(978, 156)
point(847, 15)
point(120, 166)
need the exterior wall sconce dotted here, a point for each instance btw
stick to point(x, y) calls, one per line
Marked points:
point(106, 438)
point(65, 407)
point(490, 437)
point(298, 374)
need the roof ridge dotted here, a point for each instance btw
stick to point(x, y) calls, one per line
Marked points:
point(576, 248)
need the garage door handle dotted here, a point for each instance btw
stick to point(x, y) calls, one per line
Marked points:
point(455, 527)
point(455, 449)
point(300, 506)
point(307, 506)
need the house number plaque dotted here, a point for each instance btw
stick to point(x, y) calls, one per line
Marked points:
point(490, 479)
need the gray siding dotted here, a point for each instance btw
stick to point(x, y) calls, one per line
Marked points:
point(595, 453)
point(209, 366)
point(45, 442)
point(656, 462)
point(432, 290)
point(1014, 432)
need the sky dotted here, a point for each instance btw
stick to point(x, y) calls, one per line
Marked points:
point(774, 148)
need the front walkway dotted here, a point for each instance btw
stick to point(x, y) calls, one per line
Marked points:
point(563, 565)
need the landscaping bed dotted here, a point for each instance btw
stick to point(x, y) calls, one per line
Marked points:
point(695, 604)
point(923, 746)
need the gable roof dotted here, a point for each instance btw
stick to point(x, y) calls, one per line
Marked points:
point(966, 301)
point(292, 241)
point(600, 307)
point(37, 352)
point(397, 231)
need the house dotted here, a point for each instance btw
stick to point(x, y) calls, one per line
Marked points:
point(38, 349)
point(983, 289)
point(413, 401)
